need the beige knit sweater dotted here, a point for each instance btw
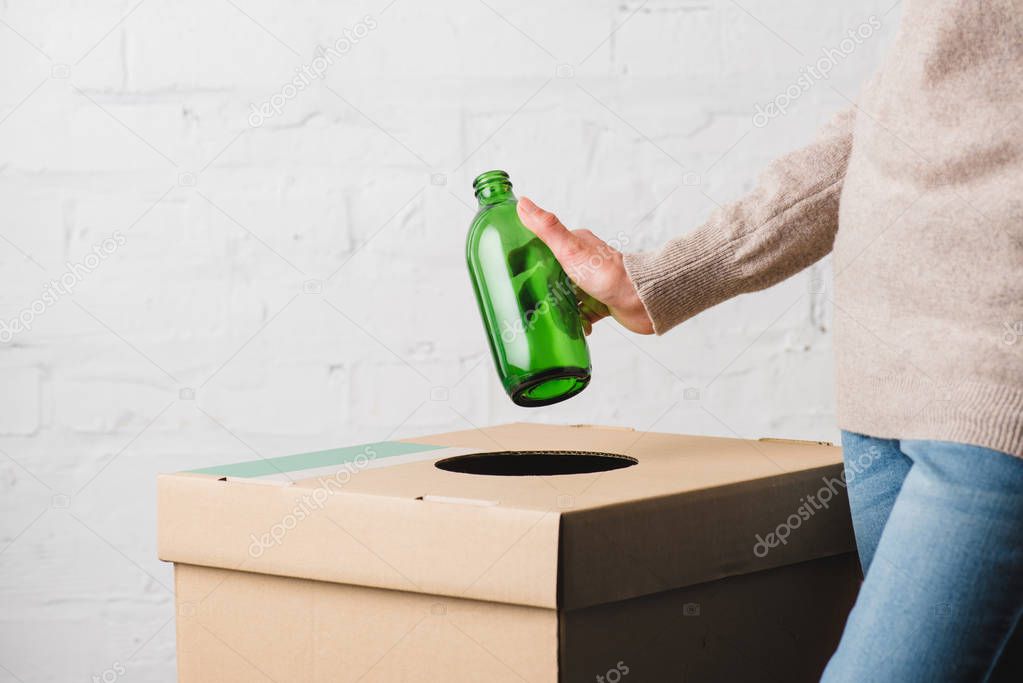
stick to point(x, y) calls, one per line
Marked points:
point(918, 190)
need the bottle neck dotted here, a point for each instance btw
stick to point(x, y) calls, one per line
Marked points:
point(494, 193)
point(492, 187)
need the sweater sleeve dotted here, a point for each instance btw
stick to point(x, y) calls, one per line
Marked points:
point(784, 225)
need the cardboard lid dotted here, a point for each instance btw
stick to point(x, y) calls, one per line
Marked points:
point(692, 509)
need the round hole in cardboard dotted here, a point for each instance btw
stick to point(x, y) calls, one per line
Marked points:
point(535, 463)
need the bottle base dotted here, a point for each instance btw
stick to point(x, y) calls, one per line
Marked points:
point(549, 386)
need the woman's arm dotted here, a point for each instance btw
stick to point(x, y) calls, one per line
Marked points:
point(787, 223)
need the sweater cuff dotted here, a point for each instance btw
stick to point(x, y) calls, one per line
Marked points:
point(688, 275)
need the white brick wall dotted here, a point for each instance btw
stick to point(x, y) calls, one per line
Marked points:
point(133, 117)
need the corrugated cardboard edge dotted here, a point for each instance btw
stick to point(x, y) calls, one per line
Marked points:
point(204, 521)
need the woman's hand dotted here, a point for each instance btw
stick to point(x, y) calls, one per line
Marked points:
point(596, 268)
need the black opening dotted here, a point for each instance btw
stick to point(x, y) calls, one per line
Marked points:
point(535, 463)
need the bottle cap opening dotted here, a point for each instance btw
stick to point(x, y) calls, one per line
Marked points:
point(491, 186)
point(490, 177)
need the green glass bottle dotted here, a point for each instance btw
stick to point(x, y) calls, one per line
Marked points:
point(528, 305)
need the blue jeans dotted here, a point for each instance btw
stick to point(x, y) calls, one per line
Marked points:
point(939, 528)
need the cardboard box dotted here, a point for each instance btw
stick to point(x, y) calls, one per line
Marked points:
point(697, 559)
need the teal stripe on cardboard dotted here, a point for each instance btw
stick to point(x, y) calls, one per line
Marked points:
point(306, 461)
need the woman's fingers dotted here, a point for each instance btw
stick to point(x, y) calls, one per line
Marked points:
point(590, 310)
point(565, 245)
point(593, 266)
